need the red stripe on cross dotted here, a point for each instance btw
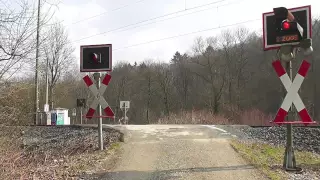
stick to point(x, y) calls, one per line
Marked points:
point(304, 68)
point(90, 113)
point(106, 80)
point(278, 68)
point(109, 111)
point(281, 114)
point(87, 80)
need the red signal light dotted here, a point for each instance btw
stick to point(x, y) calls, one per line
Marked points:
point(94, 57)
point(286, 25)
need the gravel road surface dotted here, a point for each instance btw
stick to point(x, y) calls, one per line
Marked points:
point(163, 152)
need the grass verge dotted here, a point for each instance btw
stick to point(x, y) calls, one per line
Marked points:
point(269, 159)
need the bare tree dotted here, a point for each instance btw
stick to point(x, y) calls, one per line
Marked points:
point(227, 42)
point(148, 81)
point(211, 68)
point(182, 77)
point(164, 78)
point(242, 77)
point(57, 50)
point(16, 31)
point(17, 35)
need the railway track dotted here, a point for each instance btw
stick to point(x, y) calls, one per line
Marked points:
point(300, 126)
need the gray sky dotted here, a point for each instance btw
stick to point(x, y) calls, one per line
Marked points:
point(107, 19)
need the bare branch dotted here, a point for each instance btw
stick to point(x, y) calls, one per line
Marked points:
point(57, 50)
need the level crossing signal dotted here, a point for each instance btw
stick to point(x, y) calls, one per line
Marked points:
point(285, 26)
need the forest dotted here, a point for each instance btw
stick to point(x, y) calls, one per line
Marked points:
point(226, 78)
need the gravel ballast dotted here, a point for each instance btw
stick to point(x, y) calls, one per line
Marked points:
point(304, 138)
point(66, 140)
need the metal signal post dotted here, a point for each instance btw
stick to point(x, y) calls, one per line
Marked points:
point(125, 105)
point(288, 30)
point(97, 58)
point(97, 77)
point(289, 160)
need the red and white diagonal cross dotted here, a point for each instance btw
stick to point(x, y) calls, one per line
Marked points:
point(98, 96)
point(292, 91)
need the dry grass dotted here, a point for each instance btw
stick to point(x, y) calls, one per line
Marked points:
point(12, 163)
point(269, 158)
point(194, 117)
point(253, 117)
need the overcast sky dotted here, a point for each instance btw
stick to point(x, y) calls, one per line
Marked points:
point(86, 19)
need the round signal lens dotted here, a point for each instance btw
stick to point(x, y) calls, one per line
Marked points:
point(285, 26)
point(94, 57)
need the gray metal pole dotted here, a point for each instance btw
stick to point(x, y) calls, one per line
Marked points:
point(47, 88)
point(125, 114)
point(80, 115)
point(47, 82)
point(97, 78)
point(36, 108)
point(289, 161)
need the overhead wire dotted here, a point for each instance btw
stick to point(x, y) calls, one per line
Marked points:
point(88, 18)
point(174, 17)
point(136, 2)
point(127, 5)
point(106, 12)
point(176, 36)
point(180, 35)
point(150, 19)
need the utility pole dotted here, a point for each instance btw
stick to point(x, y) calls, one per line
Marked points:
point(47, 84)
point(36, 108)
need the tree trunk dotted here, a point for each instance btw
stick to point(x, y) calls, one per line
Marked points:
point(238, 93)
point(216, 105)
point(166, 103)
point(185, 98)
point(230, 92)
point(149, 99)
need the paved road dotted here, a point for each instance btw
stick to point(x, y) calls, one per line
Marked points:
point(169, 152)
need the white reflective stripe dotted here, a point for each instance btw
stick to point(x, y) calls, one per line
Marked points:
point(103, 103)
point(100, 101)
point(298, 103)
point(93, 89)
point(102, 89)
point(286, 81)
point(98, 94)
point(292, 93)
point(94, 104)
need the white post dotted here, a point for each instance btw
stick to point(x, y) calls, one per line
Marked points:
point(125, 114)
point(97, 77)
point(80, 115)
